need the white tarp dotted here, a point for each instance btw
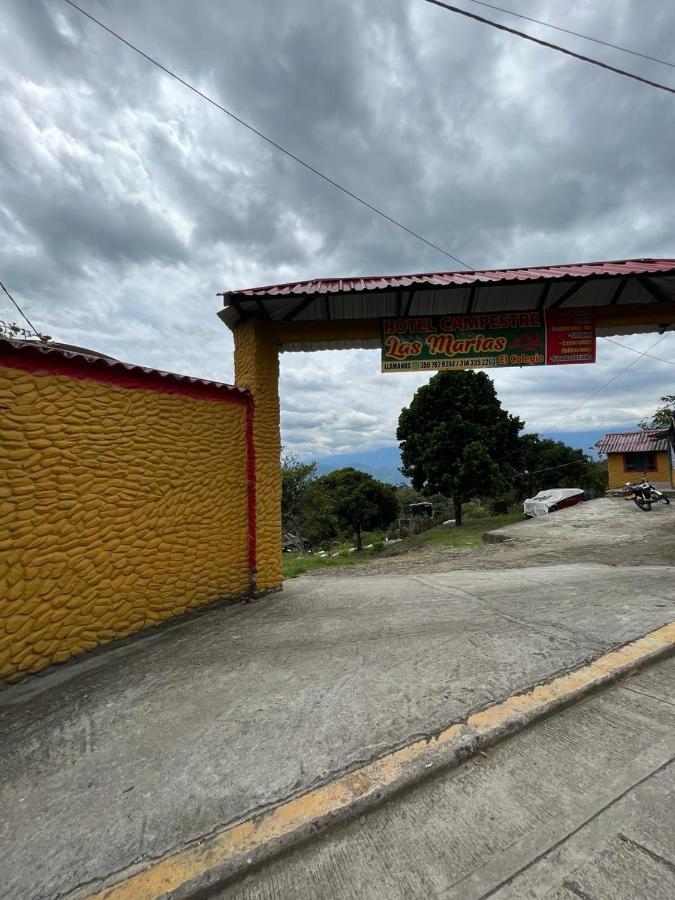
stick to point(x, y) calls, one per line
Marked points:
point(541, 503)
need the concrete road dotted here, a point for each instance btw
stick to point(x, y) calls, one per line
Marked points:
point(581, 805)
point(134, 753)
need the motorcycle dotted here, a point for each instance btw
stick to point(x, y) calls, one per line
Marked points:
point(644, 494)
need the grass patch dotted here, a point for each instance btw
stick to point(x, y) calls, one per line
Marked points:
point(470, 535)
point(300, 563)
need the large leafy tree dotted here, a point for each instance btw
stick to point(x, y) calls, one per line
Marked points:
point(359, 502)
point(306, 510)
point(457, 440)
point(664, 417)
point(319, 522)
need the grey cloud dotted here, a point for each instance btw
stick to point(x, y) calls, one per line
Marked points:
point(126, 202)
point(72, 225)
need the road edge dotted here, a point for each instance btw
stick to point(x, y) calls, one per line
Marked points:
point(230, 853)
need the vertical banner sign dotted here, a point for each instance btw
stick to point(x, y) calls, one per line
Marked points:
point(488, 340)
point(570, 336)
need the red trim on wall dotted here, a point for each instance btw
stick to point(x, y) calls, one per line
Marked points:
point(119, 375)
point(135, 378)
point(653, 460)
point(250, 471)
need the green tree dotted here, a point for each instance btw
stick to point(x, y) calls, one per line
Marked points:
point(664, 417)
point(306, 513)
point(456, 439)
point(296, 478)
point(550, 464)
point(319, 522)
point(359, 501)
point(405, 496)
point(596, 477)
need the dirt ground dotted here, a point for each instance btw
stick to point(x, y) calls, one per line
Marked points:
point(607, 530)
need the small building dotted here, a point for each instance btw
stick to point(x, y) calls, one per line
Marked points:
point(630, 454)
point(424, 509)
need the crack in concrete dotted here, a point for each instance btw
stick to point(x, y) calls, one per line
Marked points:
point(574, 888)
point(635, 690)
point(646, 851)
point(598, 812)
point(510, 618)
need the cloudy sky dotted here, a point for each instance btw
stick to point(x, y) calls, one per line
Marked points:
point(126, 202)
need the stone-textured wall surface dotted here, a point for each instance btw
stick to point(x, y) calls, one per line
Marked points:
point(119, 508)
point(256, 361)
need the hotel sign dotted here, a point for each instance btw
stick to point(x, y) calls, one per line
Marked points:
point(488, 340)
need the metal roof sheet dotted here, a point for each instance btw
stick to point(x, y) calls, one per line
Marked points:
point(106, 362)
point(361, 284)
point(595, 284)
point(653, 439)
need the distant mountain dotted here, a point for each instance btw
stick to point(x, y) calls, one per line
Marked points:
point(381, 462)
point(384, 462)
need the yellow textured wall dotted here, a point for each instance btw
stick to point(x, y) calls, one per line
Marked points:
point(615, 473)
point(256, 363)
point(118, 508)
point(618, 477)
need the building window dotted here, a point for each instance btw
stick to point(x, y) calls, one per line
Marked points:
point(639, 462)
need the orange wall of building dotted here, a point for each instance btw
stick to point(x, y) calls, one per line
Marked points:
point(119, 508)
point(618, 476)
point(256, 362)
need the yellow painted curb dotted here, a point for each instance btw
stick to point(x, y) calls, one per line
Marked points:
point(223, 855)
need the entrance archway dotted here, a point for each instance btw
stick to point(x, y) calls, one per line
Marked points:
point(625, 297)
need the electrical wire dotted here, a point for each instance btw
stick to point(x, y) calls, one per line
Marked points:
point(269, 140)
point(586, 37)
point(21, 312)
point(548, 44)
point(634, 350)
point(576, 462)
point(640, 353)
point(602, 388)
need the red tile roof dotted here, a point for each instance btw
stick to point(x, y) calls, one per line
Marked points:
point(614, 269)
point(89, 364)
point(652, 439)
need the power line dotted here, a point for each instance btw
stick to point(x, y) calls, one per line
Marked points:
point(578, 34)
point(542, 43)
point(576, 462)
point(640, 353)
point(20, 311)
point(602, 388)
point(634, 350)
point(269, 140)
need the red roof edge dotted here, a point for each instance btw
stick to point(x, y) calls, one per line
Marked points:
point(43, 359)
point(364, 283)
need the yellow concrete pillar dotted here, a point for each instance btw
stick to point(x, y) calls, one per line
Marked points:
point(256, 367)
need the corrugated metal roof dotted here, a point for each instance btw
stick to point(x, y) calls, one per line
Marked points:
point(445, 279)
point(634, 441)
point(106, 362)
point(599, 284)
